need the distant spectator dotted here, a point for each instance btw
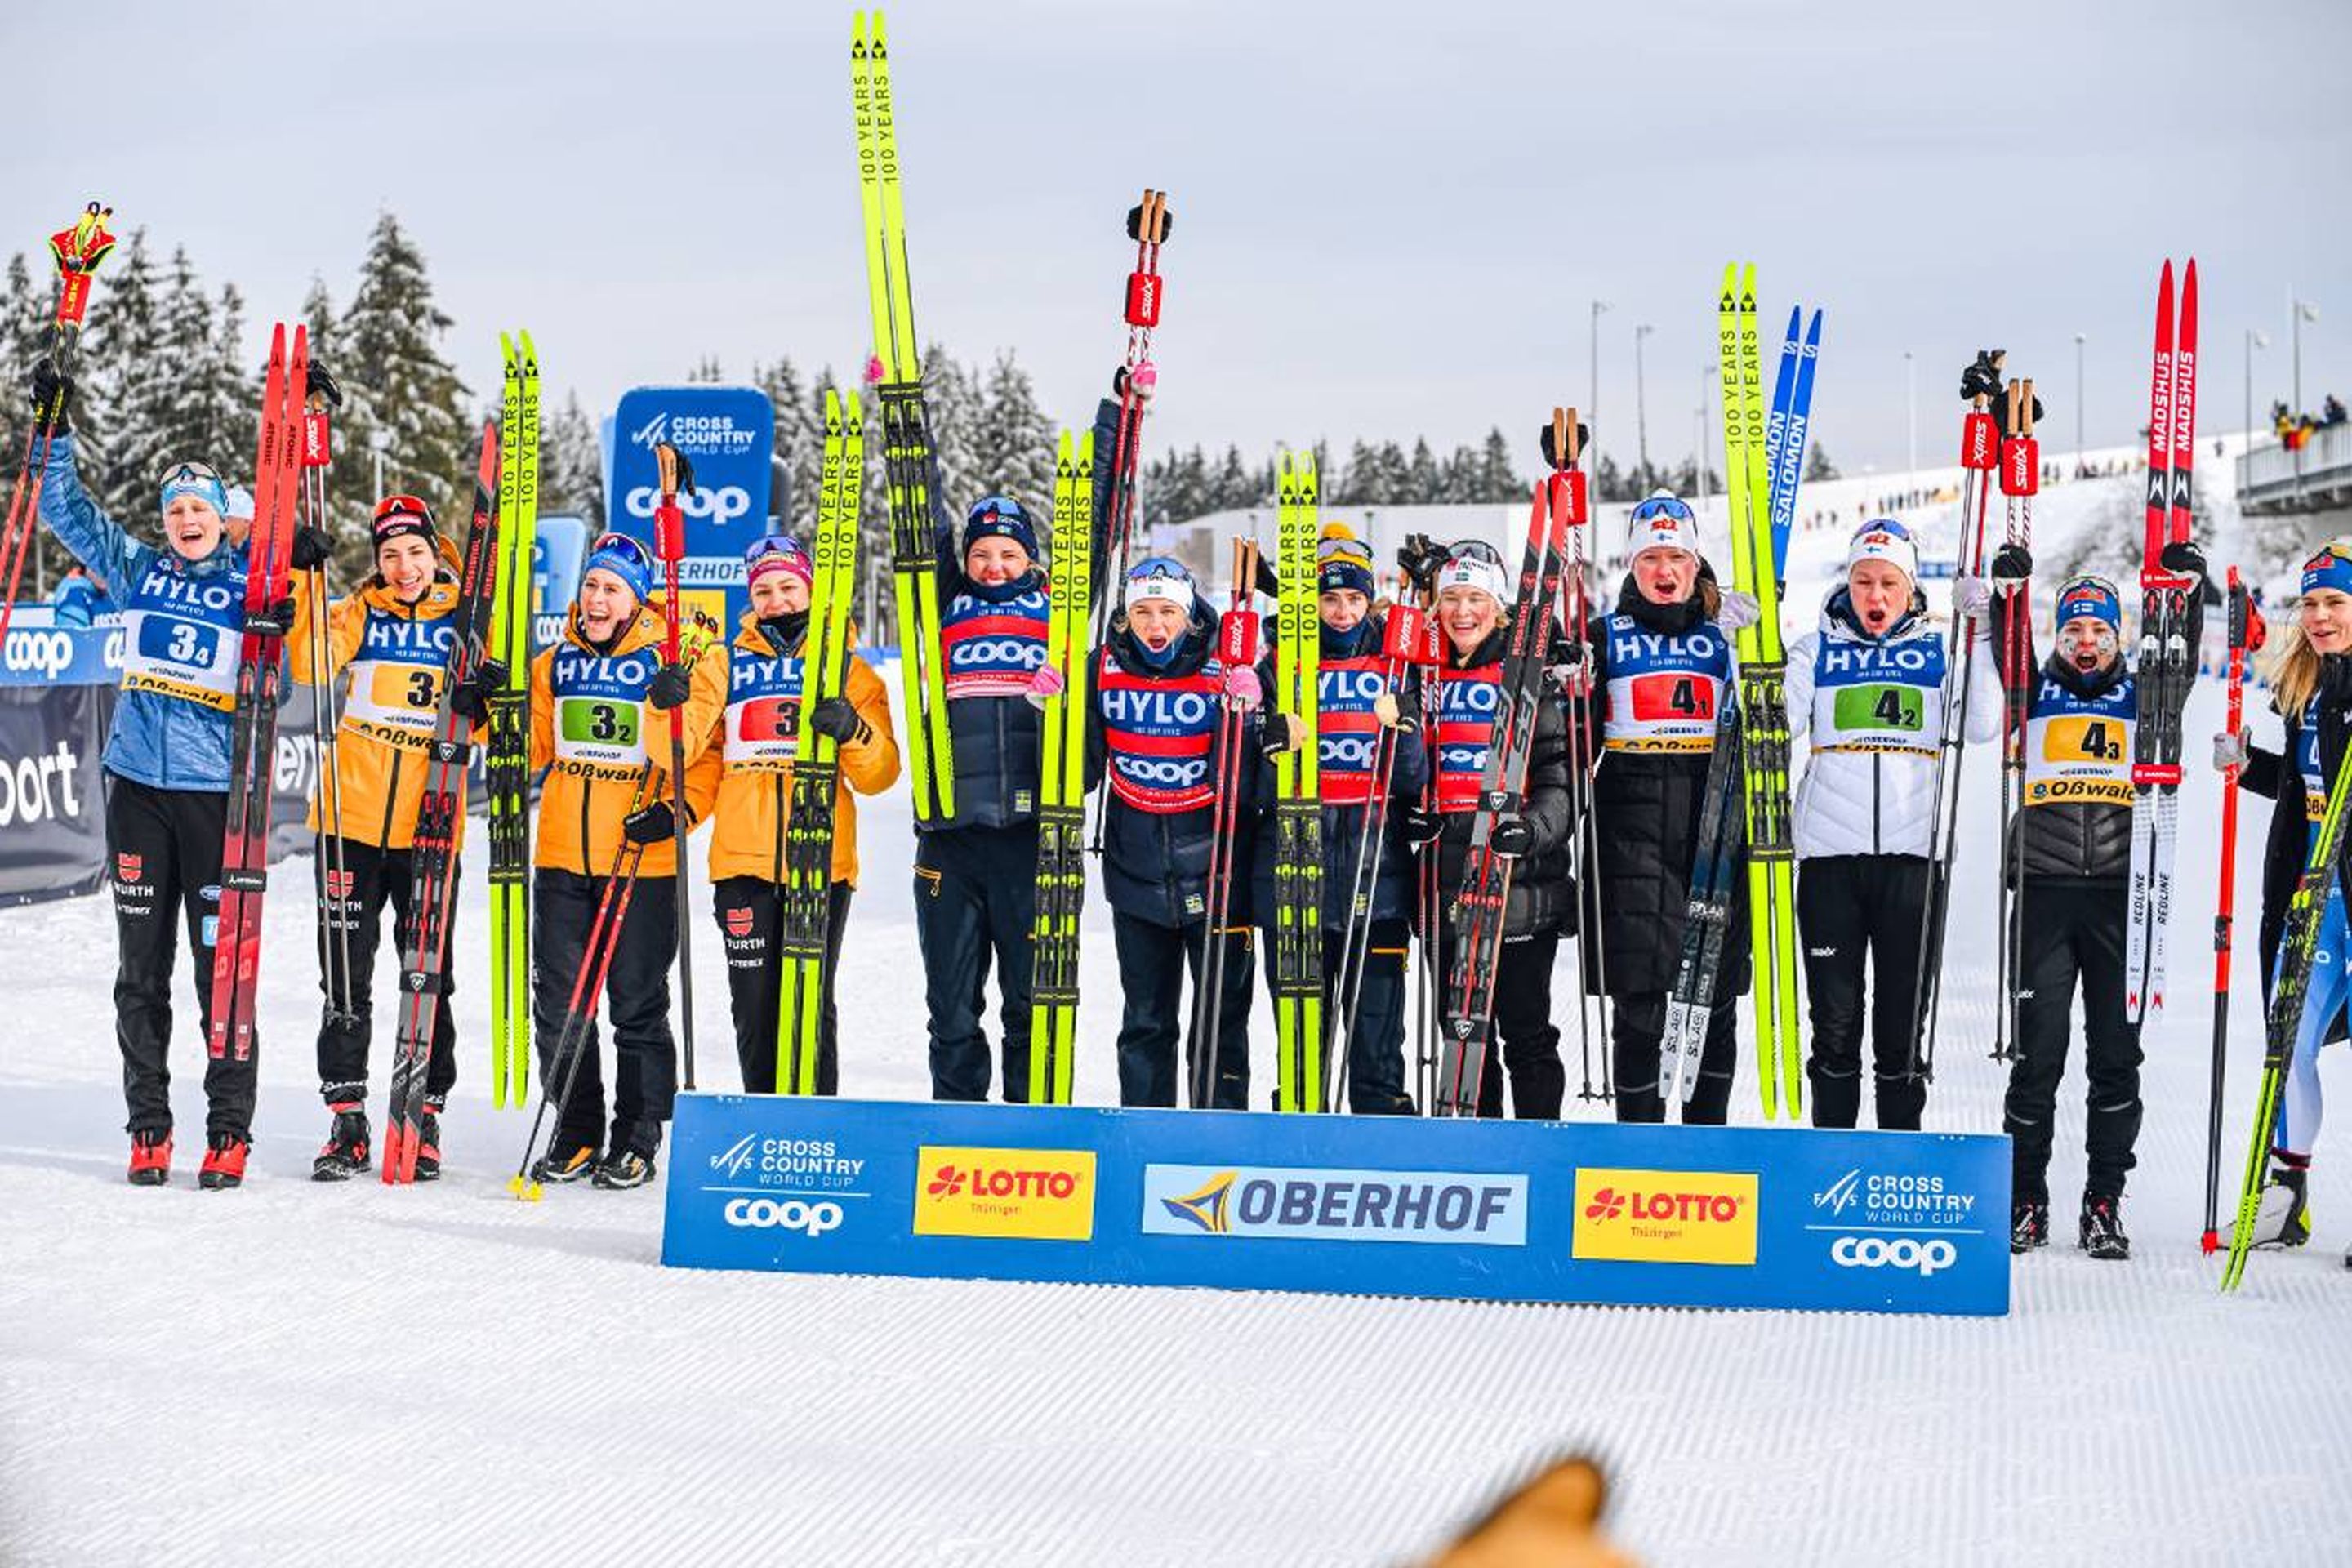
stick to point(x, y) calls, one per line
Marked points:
point(2331, 412)
point(239, 517)
point(79, 596)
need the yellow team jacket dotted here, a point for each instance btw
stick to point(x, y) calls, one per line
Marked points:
point(748, 765)
point(398, 657)
point(597, 736)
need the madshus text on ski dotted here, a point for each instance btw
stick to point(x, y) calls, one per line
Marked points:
point(1396, 805)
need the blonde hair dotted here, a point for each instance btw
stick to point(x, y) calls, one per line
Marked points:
point(2293, 670)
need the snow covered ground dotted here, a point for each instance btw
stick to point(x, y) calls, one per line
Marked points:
point(366, 1375)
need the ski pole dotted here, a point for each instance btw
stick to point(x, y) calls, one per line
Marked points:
point(321, 396)
point(2246, 633)
point(77, 252)
point(1237, 633)
point(669, 542)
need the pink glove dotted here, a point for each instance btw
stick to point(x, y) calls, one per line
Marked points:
point(1045, 683)
point(1243, 690)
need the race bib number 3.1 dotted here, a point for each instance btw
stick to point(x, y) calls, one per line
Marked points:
point(178, 656)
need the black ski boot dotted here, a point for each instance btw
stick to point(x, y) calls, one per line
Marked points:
point(347, 1149)
point(564, 1163)
point(2102, 1232)
point(2029, 1226)
point(428, 1138)
point(625, 1168)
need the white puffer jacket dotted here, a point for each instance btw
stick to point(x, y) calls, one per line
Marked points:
point(1878, 800)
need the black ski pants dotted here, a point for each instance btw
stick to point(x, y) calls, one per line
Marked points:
point(1857, 913)
point(350, 920)
point(1635, 1050)
point(636, 999)
point(1376, 1048)
point(749, 909)
point(2076, 931)
point(975, 907)
point(1523, 1028)
point(163, 852)
point(1154, 1016)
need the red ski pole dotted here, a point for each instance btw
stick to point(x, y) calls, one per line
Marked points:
point(2246, 633)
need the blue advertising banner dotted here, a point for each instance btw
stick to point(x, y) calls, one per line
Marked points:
point(728, 435)
point(1511, 1211)
point(37, 654)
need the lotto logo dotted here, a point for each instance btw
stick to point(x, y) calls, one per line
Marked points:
point(1665, 1217)
point(1036, 1194)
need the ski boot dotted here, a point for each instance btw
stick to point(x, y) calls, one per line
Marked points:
point(2102, 1228)
point(562, 1163)
point(224, 1166)
point(345, 1154)
point(625, 1168)
point(428, 1138)
point(2029, 1226)
point(2280, 1220)
point(151, 1157)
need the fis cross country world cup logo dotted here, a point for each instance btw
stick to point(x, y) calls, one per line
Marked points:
point(1868, 1200)
point(1665, 1217)
point(1031, 1195)
point(1484, 1208)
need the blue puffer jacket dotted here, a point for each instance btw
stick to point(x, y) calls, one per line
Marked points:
point(168, 743)
point(1343, 825)
point(1156, 868)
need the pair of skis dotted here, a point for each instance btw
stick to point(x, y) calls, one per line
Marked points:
point(1480, 908)
point(260, 693)
point(896, 370)
point(2166, 665)
point(515, 603)
point(76, 251)
point(441, 812)
point(1237, 640)
point(1763, 702)
point(804, 914)
point(1062, 781)
point(1297, 926)
point(2020, 480)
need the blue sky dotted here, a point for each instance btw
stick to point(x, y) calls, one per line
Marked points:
point(1390, 219)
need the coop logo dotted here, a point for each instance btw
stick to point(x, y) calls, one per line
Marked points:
point(1665, 1217)
point(46, 654)
point(1864, 1200)
point(1032, 1195)
point(1480, 1208)
point(1904, 1252)
point(718, 504)
point(811, 1220)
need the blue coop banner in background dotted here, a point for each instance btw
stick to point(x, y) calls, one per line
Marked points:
point(728, 435)
point(1510, 1211)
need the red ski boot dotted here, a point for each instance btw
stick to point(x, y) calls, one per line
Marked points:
point(151, 1157)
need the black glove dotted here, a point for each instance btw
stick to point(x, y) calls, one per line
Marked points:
point(322, 384)
point(1511, 837)
point(2012, 564)
point(1408, 710)
point(1135, 222)
point(313, 548)
point(1982, 378)
point(1420, 825)
point(1551, 457)
point(672, 685)
point(1269, 581)
point(52, 399)
point(2183, 559)
point(272, 620)
point(836, 717)
point(1418, 558)
point(650, 823)
point(1273, 733)
point(470, 697)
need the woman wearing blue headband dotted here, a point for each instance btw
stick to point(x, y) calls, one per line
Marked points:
point(2311, 689)
point(167, 766)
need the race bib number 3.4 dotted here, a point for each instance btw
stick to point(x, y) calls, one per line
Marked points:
point(180, 656)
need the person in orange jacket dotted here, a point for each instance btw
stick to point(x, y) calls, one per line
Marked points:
point(751, 760)
point(601, 707)
point(391, 635)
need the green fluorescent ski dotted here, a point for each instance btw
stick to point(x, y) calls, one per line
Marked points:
point(1062, 783)
point(816, 762)
point(1763, 702)
point(508, 758)
point(1297, 810)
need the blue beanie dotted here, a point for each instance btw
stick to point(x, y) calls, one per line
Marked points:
point(624, 558)
point(195, 479)
point(1344, 571)
point(999, 517)
point(2090, 599)
point(2331, 567)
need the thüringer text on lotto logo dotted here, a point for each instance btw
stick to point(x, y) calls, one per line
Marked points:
point(1033, 1194)
point(1463, 1207)
point(1665, 1217)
